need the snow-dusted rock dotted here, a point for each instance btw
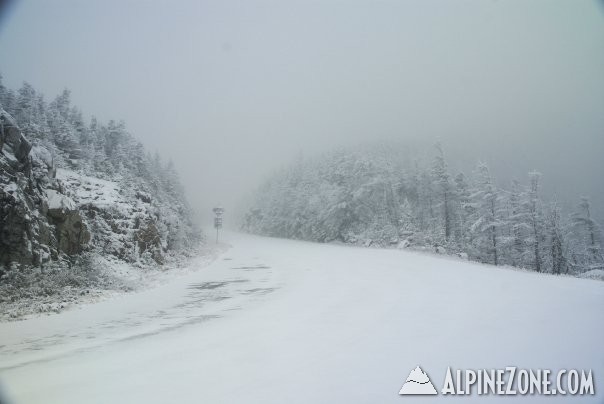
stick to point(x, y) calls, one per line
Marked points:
point(71, 232)
point(404, 244)
point(13, 138)
point(440, 249)
point(57, 201)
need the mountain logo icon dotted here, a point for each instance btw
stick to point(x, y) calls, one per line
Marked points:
point(417, 383)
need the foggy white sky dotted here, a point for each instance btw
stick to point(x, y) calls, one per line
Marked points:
point(232, 89)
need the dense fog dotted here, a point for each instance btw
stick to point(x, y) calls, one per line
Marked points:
point(232, 91)
point(411, 197)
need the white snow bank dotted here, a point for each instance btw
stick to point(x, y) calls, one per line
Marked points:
point(91, 190)
point(597, 274)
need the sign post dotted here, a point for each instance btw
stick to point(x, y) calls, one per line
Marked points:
point(218, 211)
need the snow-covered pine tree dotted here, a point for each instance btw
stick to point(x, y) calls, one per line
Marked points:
point(3, 91)
point(535, 216)
point(588, 238)
point(464, 212)
point(64, 137)
point(555, 240)
point(26, 109)
point(487, 217)
point(443, 189)
point(518, 223)
point(8, 98)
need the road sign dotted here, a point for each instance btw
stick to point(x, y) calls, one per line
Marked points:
point(217, 222)
point(218, 212)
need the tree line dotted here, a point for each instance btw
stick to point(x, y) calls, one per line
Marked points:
point(374, 195)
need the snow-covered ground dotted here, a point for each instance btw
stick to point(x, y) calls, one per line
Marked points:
point(91, 190)
point(279, 321)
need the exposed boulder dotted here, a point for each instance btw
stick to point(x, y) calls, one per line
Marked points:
point(148, 240)
point(71, 232)
point(11, 136)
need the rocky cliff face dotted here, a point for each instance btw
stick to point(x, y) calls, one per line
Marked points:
point(83, 206)
point(31, 231)
point(49, 214)
point(123, 222)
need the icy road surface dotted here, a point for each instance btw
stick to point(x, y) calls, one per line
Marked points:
point(278, 321)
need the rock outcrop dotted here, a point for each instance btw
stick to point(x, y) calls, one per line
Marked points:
point(33, 228)
point(148, 240)
point(79, 200)
point(71, 232)
point(47, 213)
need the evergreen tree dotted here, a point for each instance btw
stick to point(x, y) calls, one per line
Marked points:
point(3, 92)
point(519, 227)
point(535, 215)
point(466, 209)
point(588, 244)
point(26, 109)
point(443, 185)
point(558, 261)
point(486, 226)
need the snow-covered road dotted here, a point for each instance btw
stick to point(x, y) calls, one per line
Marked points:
point(279, 321)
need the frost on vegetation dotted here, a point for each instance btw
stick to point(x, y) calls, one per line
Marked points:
point(383, 195)
point(79, 199)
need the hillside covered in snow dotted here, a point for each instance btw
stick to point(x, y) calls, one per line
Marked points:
point(76, 197)
point(384, 195)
